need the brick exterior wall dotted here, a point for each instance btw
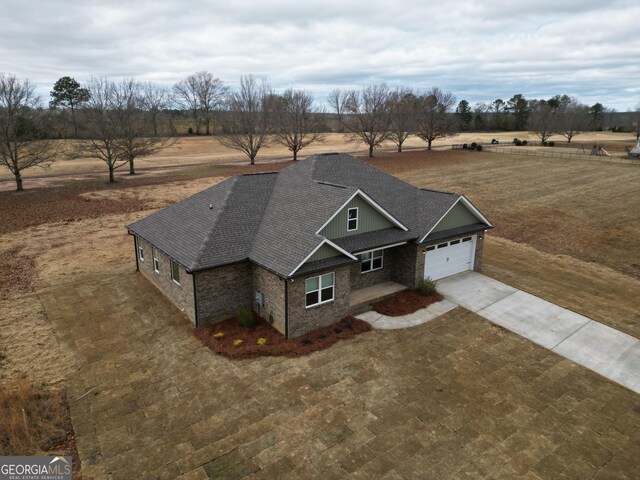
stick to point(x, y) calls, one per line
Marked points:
point(408, 264)
point(181, 295)
point(362, 280)
point(222, 290)
point(302, 319)
point(272, 287)
point(477, 261)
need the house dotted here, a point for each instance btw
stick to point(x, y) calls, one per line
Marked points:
point(297, 243)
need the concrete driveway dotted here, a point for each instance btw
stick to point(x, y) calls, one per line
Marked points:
point(609, 352)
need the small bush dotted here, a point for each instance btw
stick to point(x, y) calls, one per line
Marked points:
point(545, 144)
point(473, 145)
point(524, 142)
point(479, 148)
point(515, 140)
point(518, 143)
point(465, 146)
point(190, 131)
point(552, 143)
point(426, 286)
point(245, 316)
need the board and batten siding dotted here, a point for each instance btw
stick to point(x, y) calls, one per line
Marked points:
point(324, 252)
point(369, 219)
point(458, 216)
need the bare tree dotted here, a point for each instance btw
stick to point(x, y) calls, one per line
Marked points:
point(542, 118)
point(572, 118)
point(133, 124)
point(366, 115)
point(434, 117)
point(22, 145)
point(297, 123)
point(156, 100)
point(246, 123)
point(403, 115)
point(102, 126)
point(202, 94)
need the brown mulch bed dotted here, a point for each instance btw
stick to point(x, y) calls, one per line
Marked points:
point(275, 344)
point(404, 303)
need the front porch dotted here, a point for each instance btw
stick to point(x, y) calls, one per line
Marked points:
point(360, 300)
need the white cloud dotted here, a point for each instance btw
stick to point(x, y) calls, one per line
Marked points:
point(480, 50)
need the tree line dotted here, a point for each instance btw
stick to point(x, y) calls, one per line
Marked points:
point(119, 122)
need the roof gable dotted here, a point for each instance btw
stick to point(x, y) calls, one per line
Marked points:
point(370, 217)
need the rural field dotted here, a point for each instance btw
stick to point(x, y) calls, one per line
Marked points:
point(148, 401)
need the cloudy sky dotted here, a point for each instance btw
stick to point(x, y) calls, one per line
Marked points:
point(478, 49)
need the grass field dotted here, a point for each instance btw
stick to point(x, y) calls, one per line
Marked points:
point(207, 151)
point(566, 230)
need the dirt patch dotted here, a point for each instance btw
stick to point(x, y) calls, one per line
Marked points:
point(17, 271)
point(228, 338)
point(404, 303)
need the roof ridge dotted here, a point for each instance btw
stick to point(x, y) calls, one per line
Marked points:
point(437, 191)
point(196, 261)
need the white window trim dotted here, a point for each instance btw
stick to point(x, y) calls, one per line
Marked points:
point(156, 263)
point(319, 290)
point(351, 219)
point(370, 260)
point(173, 262)
point(140, 253)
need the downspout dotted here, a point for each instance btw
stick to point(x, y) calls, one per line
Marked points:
point(195, 301)
point(286, 308)
point(135, 247)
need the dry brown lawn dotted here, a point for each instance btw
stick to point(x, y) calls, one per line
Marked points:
point(565, 230)
point(202, 150)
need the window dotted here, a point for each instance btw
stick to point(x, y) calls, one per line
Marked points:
point(454, 242)
point(468, 239)
point(430, 248)
point(442, 245)
point(371, 261)
point(175, 272)
point(352, 219)
point(319, 289)
point(140, 252)
point(156, 265)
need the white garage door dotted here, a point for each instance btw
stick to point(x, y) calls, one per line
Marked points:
point(450, 257)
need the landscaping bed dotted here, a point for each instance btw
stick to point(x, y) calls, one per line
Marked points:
point(232, 340)
point(404, 303)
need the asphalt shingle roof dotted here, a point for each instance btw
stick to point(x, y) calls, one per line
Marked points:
point(272, 219)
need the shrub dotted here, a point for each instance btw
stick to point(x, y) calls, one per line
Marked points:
point(426, 286)
point(544, 144)
point(479, 148)
point(524, 142)
point(465, 146)
point(474, 145)
point(552, 143)
point(190, 131)
point(245, 316)
point(518, 143)
point(515, 140)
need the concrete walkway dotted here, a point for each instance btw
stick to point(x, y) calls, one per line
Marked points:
point(609, 352)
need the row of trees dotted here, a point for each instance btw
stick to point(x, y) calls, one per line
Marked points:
point(119, 122)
